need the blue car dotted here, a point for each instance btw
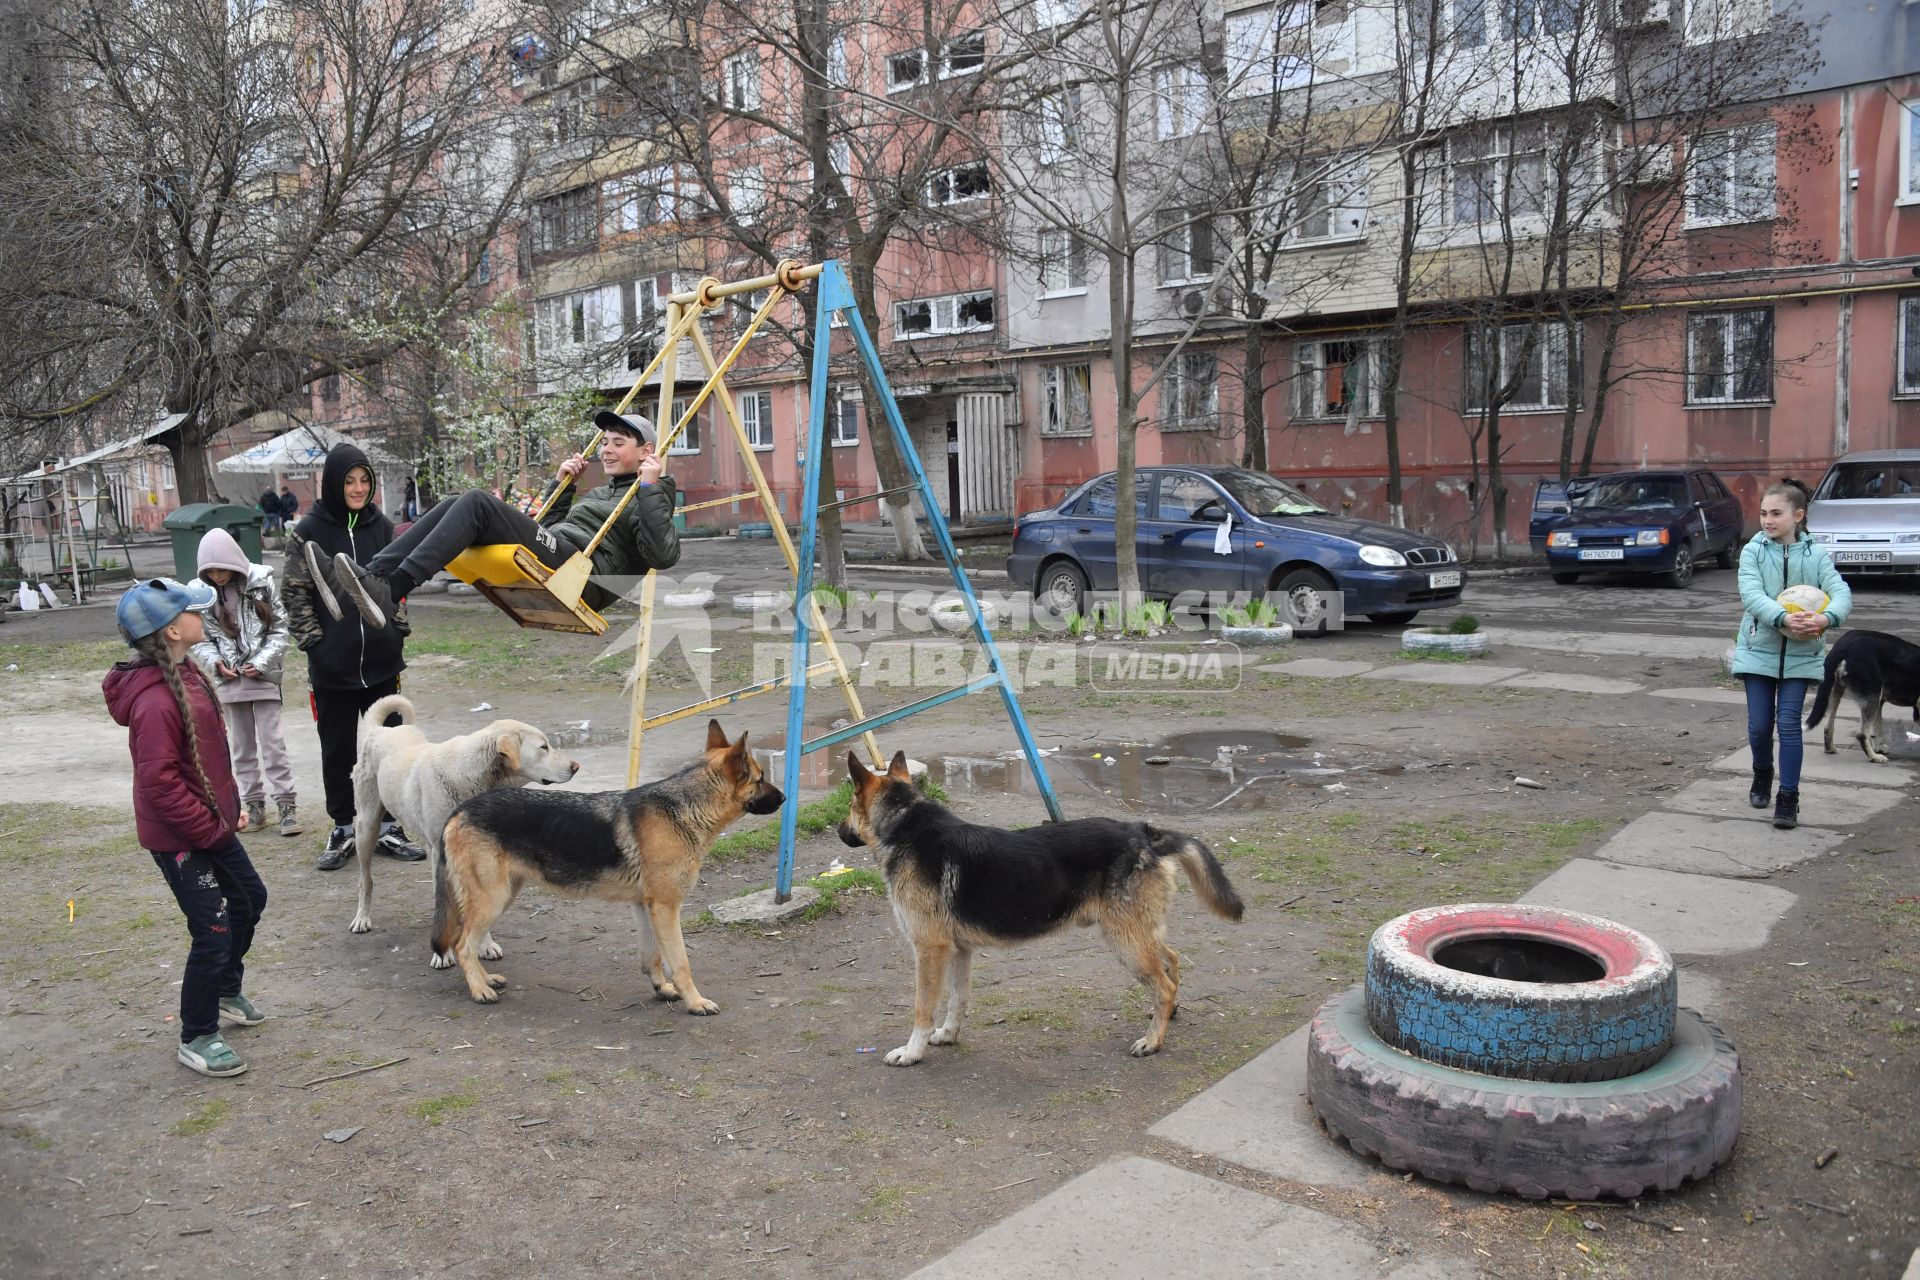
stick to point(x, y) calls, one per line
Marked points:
point(1662, 523)
point(1278, 541)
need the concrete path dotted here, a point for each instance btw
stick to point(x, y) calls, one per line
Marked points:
point(1684, 874)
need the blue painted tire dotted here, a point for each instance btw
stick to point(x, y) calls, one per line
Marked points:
point(1651, 1131)
point(1528, 993)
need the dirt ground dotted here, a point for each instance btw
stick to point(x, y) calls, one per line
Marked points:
point(580, 1127)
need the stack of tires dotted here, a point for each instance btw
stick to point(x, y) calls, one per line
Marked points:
point(1525, 1050)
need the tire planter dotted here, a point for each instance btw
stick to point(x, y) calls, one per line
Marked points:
point(1522, 992)
point(1647, 1132)
point(952, 615)
point(1428, 640)
point(699, 598)
point(1263, 636)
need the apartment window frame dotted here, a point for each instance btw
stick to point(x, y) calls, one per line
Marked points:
point(1190, 396)
point(947, 315)
point(1468, 179)
point(1906, 347)
point(1748, 154)
point(1549, 354)
point(1739, 373)
point(964, 55)
point(687, 444)
point(1731, 19)
point(1179, 100)
point(1311, 363)
point(1184, 249)
point(1059, 124)
point(1066, 400)
point(843, 428)
point(567, 221)
point(1271, 49)
point(1909, 152)
point(756, 418)
point(1348, 178)
point(747, 194)
point(1063, 263)
point(740, 80)
point(961, 184)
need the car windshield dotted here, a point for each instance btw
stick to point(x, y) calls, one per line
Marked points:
point(1850, 480)
point(1264, 496)
point(1633, 493)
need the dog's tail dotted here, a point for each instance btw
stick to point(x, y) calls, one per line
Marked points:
point(1836, 671)
point(1210, 883)
point(376, 715)
point(446, 900)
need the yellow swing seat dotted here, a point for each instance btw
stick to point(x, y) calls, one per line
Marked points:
point(514, 580)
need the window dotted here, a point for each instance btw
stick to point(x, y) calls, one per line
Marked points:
point(1059, 124)
point(1063, 263)
point(637, 201)
point(688, 441)
point(564, 221)
point(1185, 247)
point(1191, 398)
point(964, 55)
point(1054, 13)
point(1337, 379)
point(483, 269)
point(1907, 359)
point(1179, 100)
point(740, 81)
point(1730, 176)
point(837, 62)
point(1272, 49)
point(1910, 152)
point(1183, 493)
point(956, 186)
point(1485, 176)
point(330, 388)
point(1730, 357)
point(1067, 392)
point(1331, 202)
point(1102, 502)
point(1857, 481)
point(845, 427)
point(756, 415)
point(904, 70)
point(747, 195)
point(840, 158)
point(575, 111)
point(1532, 356)
point(933, 317)
point(1709, 20)
point(564, 322)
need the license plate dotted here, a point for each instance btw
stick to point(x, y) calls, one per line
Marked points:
point(1604, 553)
point(1451, 579)
point(1863, 557)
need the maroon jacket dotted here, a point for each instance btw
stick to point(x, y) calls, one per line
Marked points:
point(170, 807)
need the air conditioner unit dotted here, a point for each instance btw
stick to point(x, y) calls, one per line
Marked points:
point(1649, 164)
point(1638, 14)
point(1194, 302)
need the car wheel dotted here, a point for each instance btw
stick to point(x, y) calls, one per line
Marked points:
point(1681, 575)
point(1302, 597)
point(1398, 618)
point(1566, 579)
point(1723, 558)
point(1062, 589)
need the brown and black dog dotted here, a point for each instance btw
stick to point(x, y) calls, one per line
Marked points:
point(957, 886)
point(642, 846)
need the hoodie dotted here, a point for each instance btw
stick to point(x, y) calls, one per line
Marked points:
point(170, 804)
point(253, 642)
point(342, 653)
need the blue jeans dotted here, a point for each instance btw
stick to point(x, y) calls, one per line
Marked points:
point(1773, 702)
point(222, 897)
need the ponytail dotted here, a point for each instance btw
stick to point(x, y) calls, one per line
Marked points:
point(155, 647)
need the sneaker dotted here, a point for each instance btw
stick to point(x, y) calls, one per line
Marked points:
point(339, 850)
point(210, 1056)
point(256, 815)
point(289, 824)
point(367, 590)
point(395, 843)
point(322, 574)
point(240, 1011)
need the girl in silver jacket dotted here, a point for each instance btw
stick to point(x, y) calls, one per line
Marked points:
point(246, 639)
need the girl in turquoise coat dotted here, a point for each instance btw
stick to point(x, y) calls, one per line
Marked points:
point(1779, 653)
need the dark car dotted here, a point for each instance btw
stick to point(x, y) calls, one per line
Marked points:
point(1646, 522)
point(1278, 541)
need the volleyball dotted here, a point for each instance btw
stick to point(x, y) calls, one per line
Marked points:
point(1802, 599)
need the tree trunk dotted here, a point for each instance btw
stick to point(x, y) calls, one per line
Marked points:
point(188, 445)
point(1603, 382)
point(833, 548)
point(1253, 416)
point(887, 460)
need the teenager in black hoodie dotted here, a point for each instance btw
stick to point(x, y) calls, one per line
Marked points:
point(350, 665)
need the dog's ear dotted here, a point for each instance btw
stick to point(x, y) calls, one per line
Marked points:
point(857, 772)
point(509, 748)
point(737, 753)
point(716, 736)
point(897, 768)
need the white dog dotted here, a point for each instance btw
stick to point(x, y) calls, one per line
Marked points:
point(421, 783)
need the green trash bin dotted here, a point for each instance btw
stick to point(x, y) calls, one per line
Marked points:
point(190, 523)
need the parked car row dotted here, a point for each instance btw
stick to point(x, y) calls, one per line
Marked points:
point(1643, 522)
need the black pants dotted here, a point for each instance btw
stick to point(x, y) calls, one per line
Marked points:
point(222, 897)
point(475, 518)
point(337, 712)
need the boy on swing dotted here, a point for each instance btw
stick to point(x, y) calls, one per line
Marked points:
point(643, 539)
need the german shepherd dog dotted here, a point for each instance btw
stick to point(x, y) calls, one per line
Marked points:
point(642, 846)
point(956, 887)
point(1873, 668)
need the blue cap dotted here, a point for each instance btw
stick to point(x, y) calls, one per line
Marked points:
point(149, 606)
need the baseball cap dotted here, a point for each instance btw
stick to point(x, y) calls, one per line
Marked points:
point(148, 606)
point(630, 423)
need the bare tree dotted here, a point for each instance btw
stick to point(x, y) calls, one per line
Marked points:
point(213, 203)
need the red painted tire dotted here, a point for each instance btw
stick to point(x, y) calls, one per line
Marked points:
point(1647, 1132)
point(1521, 992)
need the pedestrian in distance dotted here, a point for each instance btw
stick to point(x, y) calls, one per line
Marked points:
point(186, 810)
point(246, 641)
point(270, 522)
point(289, 506)
point(1779, 653)
point(350, 666)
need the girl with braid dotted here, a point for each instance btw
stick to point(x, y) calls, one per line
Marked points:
point(186, 809)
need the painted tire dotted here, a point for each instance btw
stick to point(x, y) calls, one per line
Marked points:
point(1647, 1132)
point(1522, 1024)
point(1423, 640)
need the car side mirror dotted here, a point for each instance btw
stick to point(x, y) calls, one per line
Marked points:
point(1212, 513)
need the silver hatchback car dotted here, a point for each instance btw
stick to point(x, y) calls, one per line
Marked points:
point(1866, 512)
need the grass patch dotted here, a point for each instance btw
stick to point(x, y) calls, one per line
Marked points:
point(815, 818)
point(65, 657)
point(852, 880)
point(886, 1201)
point(204, 1118)
point(437, 1110)
point(32, 1137)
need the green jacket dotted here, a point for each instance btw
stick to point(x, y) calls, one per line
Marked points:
point(1767, 569)
point(644, 539)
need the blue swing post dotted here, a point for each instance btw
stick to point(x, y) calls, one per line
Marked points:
point(836, 296)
